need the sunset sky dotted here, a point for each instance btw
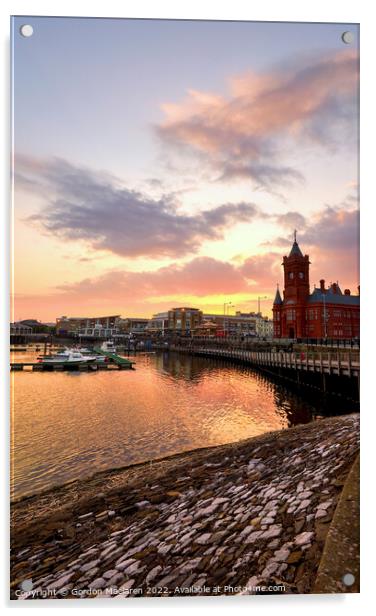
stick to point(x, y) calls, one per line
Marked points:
point(167, 163)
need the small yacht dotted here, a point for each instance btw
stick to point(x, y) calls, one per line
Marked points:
point(67, 357)
point(90, 353)
point(108, 346)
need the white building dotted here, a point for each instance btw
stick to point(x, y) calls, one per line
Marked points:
point(158, 323)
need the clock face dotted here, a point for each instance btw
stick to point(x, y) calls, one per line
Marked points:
point(291, 275)
point(301, 275)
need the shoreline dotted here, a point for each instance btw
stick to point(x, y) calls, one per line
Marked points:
point(209, 507)
point(113, 478)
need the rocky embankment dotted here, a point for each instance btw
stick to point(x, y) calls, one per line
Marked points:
point(224, 520)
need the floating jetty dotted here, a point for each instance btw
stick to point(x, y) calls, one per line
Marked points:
point(115, 362)
point(120, 362)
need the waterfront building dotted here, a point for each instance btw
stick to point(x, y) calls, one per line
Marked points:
point(325, 313)
point(233, 325)
point(184, 320)
point(132, 325)
point(263, 325)
point(88, 327)
point(158, 324)
point(207, 329)
point(20, 329)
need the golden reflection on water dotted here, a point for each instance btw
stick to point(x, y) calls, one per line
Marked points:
point(67, 425)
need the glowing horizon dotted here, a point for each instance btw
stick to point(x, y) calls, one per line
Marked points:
point(167, 174)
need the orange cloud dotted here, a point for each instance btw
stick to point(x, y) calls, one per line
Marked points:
point(128, 292)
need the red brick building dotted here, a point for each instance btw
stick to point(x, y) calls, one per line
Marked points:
point(324, 313)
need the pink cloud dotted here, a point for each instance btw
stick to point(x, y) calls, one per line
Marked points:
point(145, 292)
point(244, 134)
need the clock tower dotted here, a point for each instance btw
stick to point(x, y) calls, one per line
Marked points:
point(296, 292)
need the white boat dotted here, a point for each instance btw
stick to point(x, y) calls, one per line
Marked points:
point(90, 353)
point(67, 357)
point(108, 347)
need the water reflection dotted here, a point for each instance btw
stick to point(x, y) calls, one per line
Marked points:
point(69, 425)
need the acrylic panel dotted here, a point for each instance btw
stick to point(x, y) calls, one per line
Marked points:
point(185, 308)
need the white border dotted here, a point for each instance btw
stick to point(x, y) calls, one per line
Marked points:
point(273, 10)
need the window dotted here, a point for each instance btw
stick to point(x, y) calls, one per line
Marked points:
point(301, 275)
point(291, 275)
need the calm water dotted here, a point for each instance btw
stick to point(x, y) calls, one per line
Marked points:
point(69, 424)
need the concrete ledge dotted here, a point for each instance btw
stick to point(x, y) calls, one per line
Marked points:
point(341, 551)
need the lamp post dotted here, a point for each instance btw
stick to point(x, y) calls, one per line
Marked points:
point(259, 300)
point(224, 315)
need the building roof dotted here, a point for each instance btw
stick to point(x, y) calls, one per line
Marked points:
point(278, 298)
point(333, 298)
point(295, 250)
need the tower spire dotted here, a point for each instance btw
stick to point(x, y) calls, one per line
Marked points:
point(295, 250)
point(278, 298)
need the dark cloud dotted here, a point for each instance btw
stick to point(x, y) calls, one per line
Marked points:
point(96, 208)
point(331, 238)
point(334, 229)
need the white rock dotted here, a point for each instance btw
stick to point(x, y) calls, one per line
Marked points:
point(269, 569)
point(190, 565)
point(203, 539)
point(98, 583)
point(253, 536)
point(132, 568)
point(250, 586)
point(165, 548)
point(273, 531)
point(281, 555)
point(303, 538)
point(127, 585)
point(110, 573)
point(304, 504)
point(85, 516)
point(108, 550)
point(305, 494)
point(122, 564)
point(325, 505)
point(247, 530)
point(153, 573)
point(143, 504)
point(89, 565)
point(59, 583)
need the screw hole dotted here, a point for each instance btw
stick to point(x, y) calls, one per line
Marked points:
point(26, 30)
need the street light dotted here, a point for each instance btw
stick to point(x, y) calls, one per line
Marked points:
point(224, 315)
point(258, 301)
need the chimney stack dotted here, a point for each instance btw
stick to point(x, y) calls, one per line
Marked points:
point(322, 285)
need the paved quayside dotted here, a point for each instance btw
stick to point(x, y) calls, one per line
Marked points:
point(252, 513)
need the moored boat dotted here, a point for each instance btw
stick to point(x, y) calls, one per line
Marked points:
point(70, 357)
point(108, 346)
